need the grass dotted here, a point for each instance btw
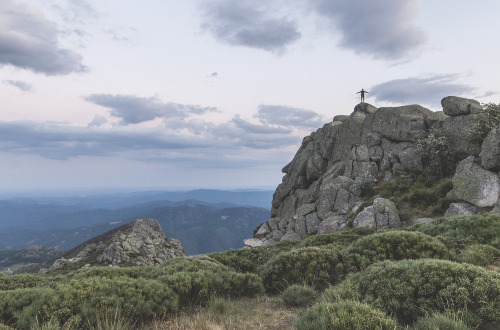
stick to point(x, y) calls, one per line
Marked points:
point(417, 198)
point(262, 312)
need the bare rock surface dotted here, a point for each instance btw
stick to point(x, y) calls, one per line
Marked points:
point(140, 243)
point(334, 168)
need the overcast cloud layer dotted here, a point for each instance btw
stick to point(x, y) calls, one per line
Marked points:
point(64, 141)
point(178, 85)
point(29, 41)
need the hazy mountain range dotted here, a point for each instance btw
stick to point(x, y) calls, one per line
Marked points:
point(203, 220)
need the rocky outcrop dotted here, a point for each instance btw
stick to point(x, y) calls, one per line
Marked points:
point(383, 214)
point(475, 185)
point(459, 106)
point(140, 243)
point(335, 167)
point(461, 209)
point(490, 151)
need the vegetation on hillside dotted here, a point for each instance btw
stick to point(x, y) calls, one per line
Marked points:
point(445, 273)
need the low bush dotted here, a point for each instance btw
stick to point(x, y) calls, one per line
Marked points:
point(250, 259)
point(74, 303)
point(22, 281)
point(439, 321)
point(344, 315)
point(198, 287)
point(437, 157)
point(479, 254)
point(482, 229)
point(218, 306)
point(410, 288)
point(395, 188)
point(340, 239)
point(299, 295)
point(140, 293)
point(397, 245)
point(312, 266)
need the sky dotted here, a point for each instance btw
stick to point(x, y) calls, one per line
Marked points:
point(169, 94)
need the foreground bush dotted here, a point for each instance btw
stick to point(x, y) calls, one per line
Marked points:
point(76, 302)
point(299, 295)
point(439, 321)
point(250, 259)
point(139, 293)
point(312, 266)
point(344, 315)
point(410, 288)
point(397, 245)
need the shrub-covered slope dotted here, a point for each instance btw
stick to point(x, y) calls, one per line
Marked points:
point(444, 272)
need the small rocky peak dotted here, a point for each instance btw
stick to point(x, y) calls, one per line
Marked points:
point(140, 243)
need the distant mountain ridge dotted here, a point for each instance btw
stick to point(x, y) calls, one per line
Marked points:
point(201, 226)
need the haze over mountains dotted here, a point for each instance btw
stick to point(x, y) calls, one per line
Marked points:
point(204, 220)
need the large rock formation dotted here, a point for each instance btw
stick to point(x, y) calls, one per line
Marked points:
point(334, 167)
point(140, 243)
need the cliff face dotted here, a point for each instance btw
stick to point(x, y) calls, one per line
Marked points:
point(140, 243)
point(327, 178)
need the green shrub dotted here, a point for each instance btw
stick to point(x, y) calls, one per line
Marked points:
point(77, 301)
point(218, 306)
point(198, 287)
point(488, 120)
point(338, 239)
point(299, 295)
point(344, 315)
point(22, 281)
point(422, 197)
point(250, 259)
point(482, 229)
point(397, 245)
point(312, 266)
point(440, 322)
point(437, 159)
point(480, 254)
point(410, 288)
point(395, 188)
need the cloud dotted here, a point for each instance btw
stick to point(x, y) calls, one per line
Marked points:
point(29, 41)
point(380, 29)
point(428, 90)
point(24, 86)
point(234, 139)
point(289, 117)
point(243, 23)
point(131, 109)
point(98, 121)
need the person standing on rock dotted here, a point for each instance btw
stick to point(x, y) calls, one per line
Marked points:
point(362, 91)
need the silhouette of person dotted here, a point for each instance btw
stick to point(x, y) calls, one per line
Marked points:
point(362, 91)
